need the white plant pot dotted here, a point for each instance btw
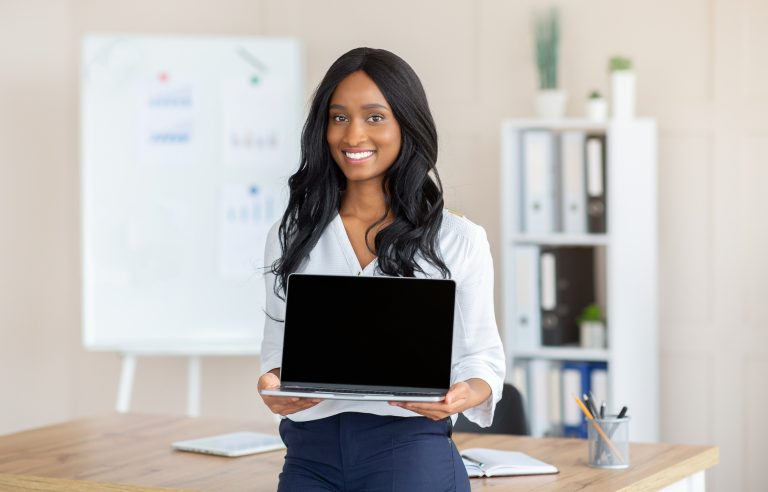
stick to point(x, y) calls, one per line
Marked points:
point(592, 334)
point(623, 94)
point(550, 103)
point(597, 109)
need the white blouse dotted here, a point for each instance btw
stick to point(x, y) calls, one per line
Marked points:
point(477, 349)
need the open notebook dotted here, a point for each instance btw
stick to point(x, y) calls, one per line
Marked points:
point(481, 462)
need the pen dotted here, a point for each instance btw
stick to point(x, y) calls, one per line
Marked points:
point(602, 410)
point(599, 429)
point(472, 460)
point(622, 413)
point(590, 405)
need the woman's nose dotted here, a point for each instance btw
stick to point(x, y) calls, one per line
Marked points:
point(355, 134)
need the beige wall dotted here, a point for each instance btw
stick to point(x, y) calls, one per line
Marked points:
point(702, 73)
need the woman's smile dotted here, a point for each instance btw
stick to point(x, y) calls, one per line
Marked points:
point(356, 156)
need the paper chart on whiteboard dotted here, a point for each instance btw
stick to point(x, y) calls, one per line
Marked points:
point(245, 215)
point(167, 126)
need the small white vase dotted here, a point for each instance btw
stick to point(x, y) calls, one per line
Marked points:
point(550, 103)
point(592, 334)
point(623, 94)
point(597, 109)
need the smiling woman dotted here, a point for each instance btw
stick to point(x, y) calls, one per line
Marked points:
point(367, 200)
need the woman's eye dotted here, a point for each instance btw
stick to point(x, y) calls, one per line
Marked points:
point(375, 118)
point(339, 118)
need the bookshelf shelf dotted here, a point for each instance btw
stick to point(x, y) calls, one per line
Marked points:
point(624, 273)
point(561, 239)
point(563, 353)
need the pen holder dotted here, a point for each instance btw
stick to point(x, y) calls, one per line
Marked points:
point(609, 448)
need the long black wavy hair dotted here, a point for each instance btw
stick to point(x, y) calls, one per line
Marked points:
point(414, 197)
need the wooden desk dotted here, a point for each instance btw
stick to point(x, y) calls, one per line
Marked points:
point(132, 452)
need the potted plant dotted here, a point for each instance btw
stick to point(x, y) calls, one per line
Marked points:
point(622, 87)
point(597, 107)
point(550, 101)
point(592, 327)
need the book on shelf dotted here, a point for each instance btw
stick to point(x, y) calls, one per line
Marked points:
point(483, 462)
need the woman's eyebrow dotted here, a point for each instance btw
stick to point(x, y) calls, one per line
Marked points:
point(366, 106)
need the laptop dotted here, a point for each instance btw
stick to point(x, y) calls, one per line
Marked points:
point(367, 338)
point(234, 444)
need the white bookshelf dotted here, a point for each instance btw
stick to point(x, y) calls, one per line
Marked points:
point(627, 265)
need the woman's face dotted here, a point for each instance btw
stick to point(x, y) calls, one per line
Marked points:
point(363, 135)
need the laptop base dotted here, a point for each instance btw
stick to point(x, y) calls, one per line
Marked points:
point(339, 395)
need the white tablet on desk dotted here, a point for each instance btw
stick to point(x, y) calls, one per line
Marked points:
point(234, 444)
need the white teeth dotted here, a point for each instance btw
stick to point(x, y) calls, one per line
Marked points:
point(358, 155)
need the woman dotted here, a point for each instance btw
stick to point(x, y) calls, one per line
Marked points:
point(363, 202)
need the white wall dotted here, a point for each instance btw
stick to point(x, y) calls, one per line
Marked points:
point(702, 73)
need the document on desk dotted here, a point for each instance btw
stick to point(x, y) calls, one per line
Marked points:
point(482, 462)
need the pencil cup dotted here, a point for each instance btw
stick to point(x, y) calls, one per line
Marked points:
point(608, 445)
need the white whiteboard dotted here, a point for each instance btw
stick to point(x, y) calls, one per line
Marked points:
point(186, 146)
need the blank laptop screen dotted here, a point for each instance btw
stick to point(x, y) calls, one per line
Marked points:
point(368, 331)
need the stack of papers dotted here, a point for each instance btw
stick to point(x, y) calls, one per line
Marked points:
point(481, 462)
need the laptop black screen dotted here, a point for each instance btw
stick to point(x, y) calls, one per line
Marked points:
point(368, 331)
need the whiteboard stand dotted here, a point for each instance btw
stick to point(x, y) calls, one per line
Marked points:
point(128, 371)
point(194, 355)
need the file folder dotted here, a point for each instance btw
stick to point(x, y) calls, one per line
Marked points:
point(539, 184)
point(527, 313)
point(596, 182)
point(574, 375)
point(581, 378)
point(573, 171)
point(567, 287)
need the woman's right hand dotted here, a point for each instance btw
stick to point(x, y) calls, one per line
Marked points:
point(282, 405)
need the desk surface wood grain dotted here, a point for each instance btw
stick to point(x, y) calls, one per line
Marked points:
point(132, 452)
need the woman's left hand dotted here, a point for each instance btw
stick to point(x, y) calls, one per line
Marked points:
point(460, 396)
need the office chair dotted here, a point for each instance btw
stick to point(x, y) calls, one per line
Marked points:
point(508, 419)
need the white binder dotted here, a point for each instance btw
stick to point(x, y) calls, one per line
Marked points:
point(540, 183)
point(573, 200)
point(599, 384)
point(538, 392)
point(527, 310)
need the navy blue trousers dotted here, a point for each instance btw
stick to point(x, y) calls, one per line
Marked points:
point(364, 452)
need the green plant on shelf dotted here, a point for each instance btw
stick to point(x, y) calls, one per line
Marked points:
point(619, 63)
point(591, 313)
point(547, 26)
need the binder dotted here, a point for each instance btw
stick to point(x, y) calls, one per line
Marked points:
point(596, 212)
point(527, 313)
point(574, 374)
point(581, 378)
point(539, 184)
point(567, 287)
point(598, 381)
point(538, 402)
point(572, 171)
point(519, 379)
point(555, 398)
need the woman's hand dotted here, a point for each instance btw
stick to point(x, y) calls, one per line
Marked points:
point(460, 396)
point(282, 405)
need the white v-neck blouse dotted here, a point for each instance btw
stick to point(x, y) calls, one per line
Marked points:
point(477, 349)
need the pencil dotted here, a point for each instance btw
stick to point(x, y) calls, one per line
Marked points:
point(599, 429)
